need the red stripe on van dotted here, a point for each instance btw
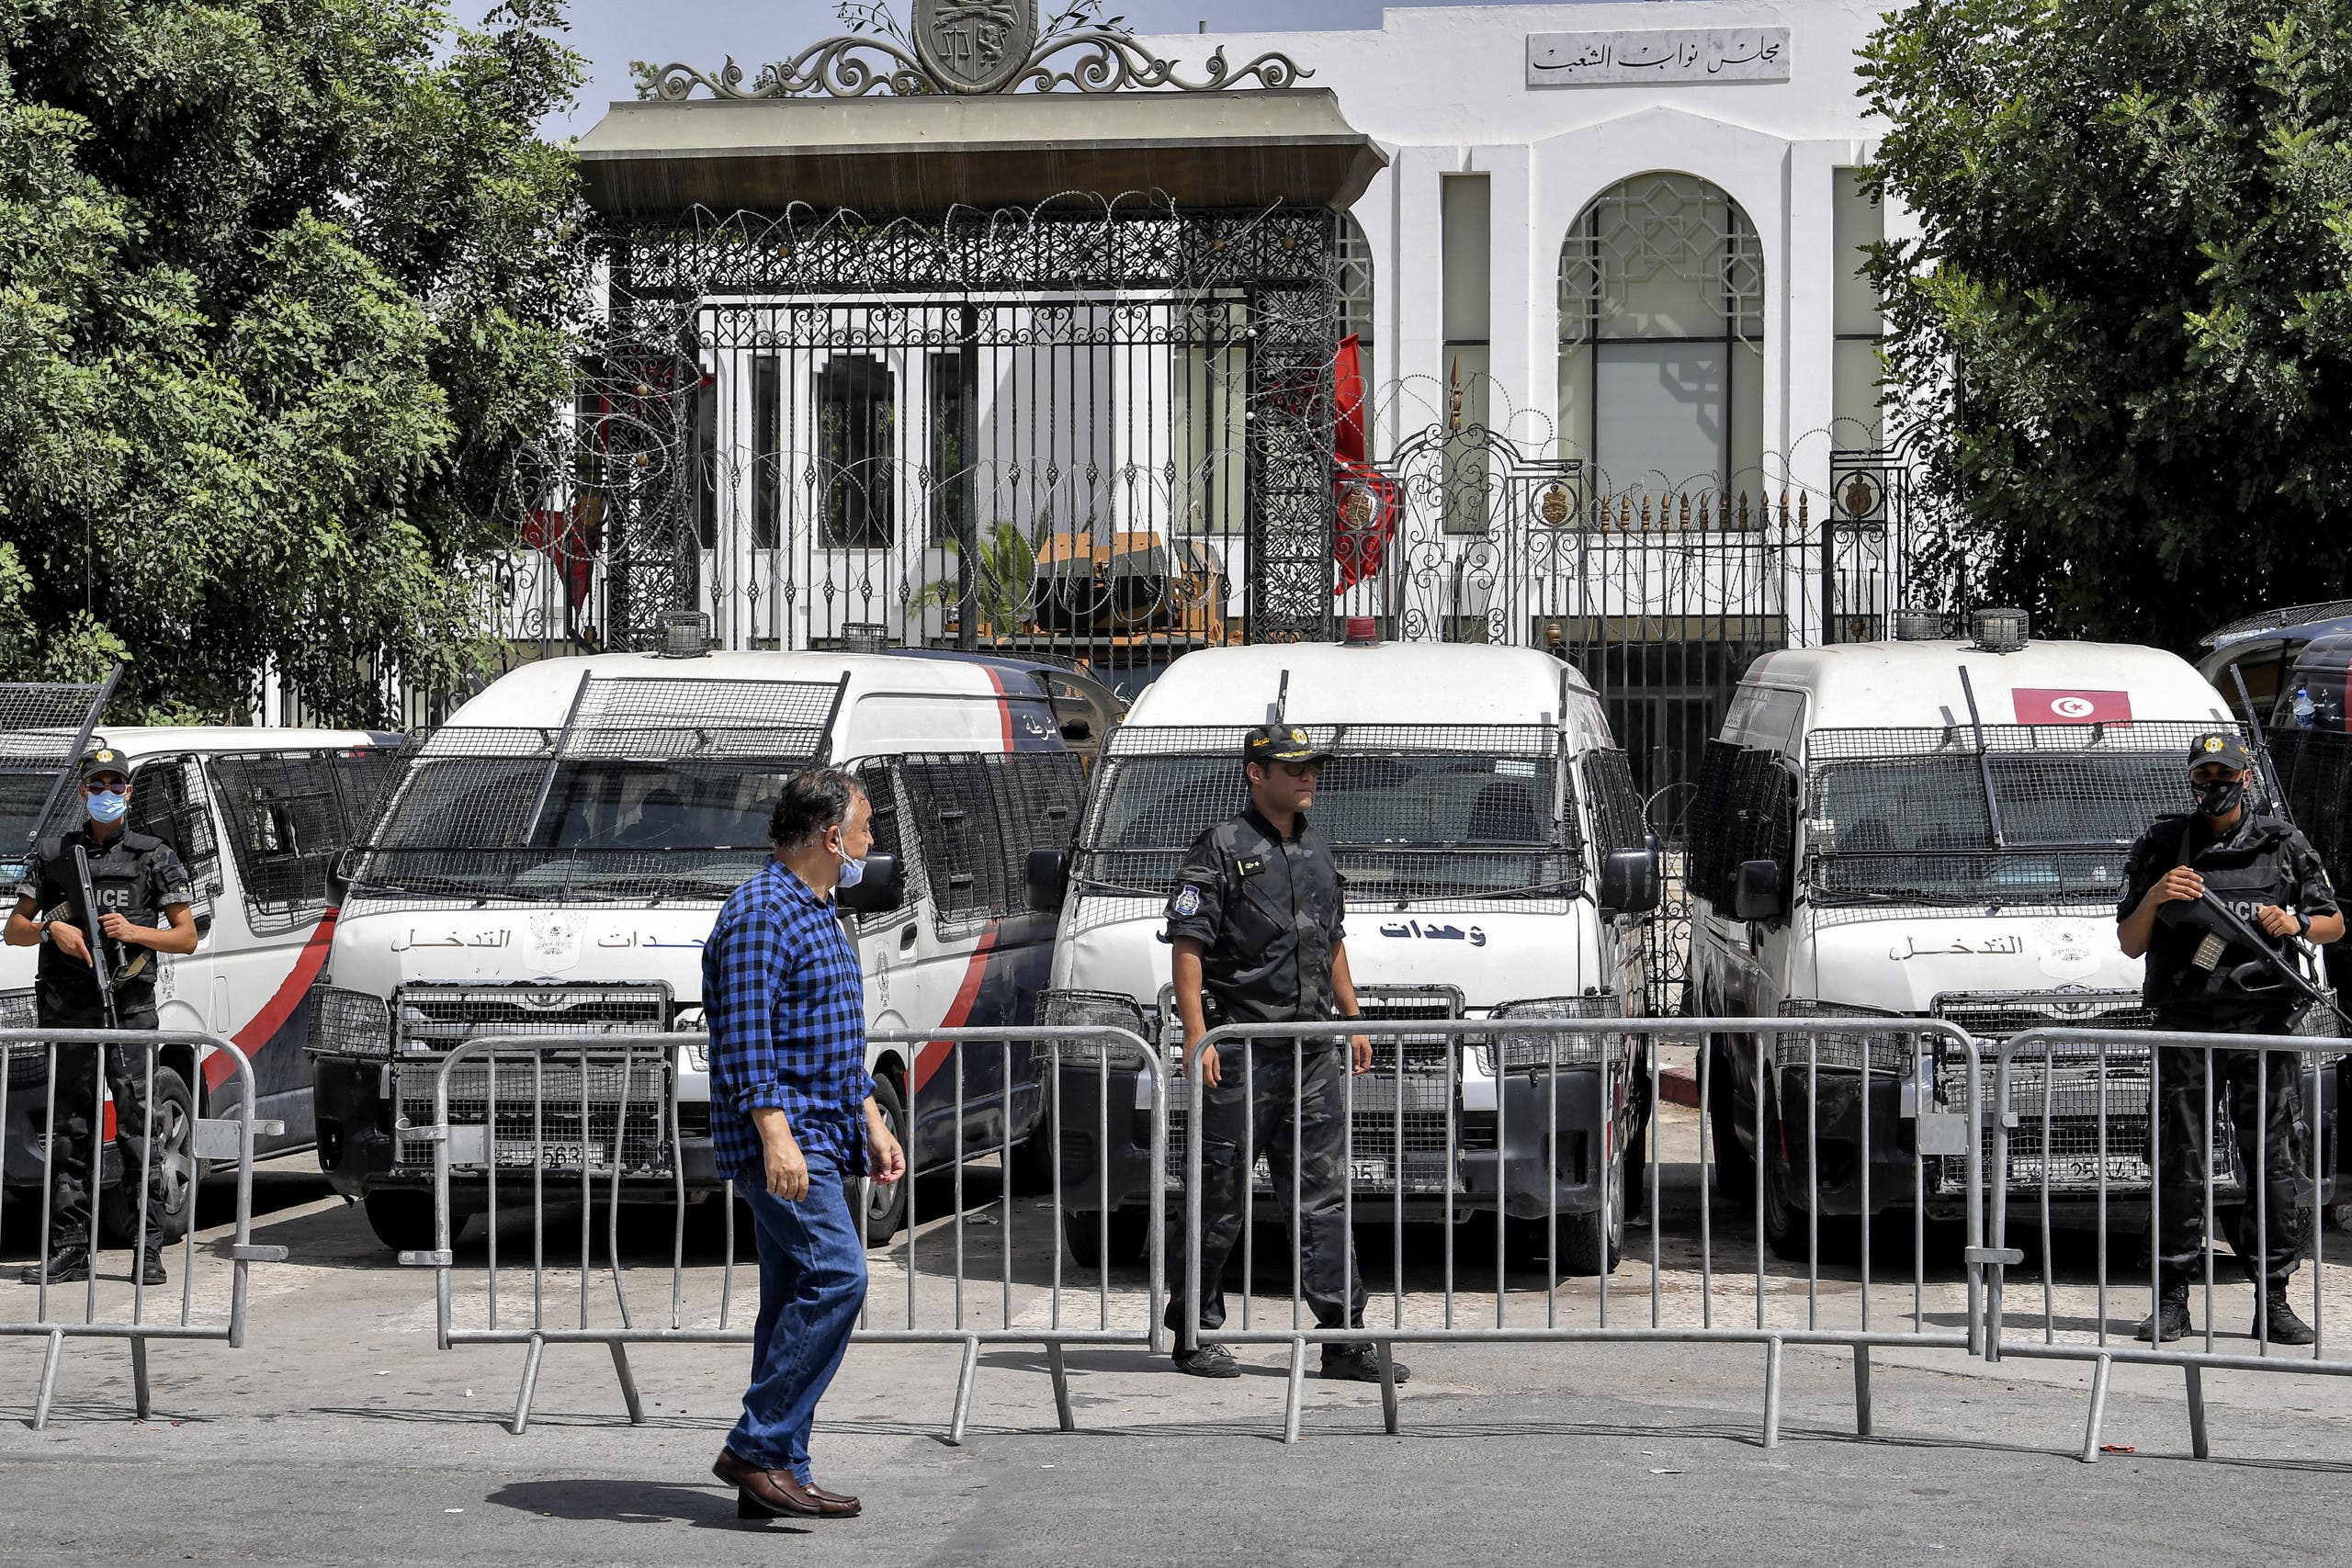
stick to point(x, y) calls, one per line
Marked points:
point(931, 1056)
point(1003, 708)
point(255, 1036)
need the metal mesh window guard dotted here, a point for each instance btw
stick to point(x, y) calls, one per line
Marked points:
point(1912, 814)
point(1410, 813)
point(979, 815)
point(1744, 811)
point(289, 816)
point(1619, 821)
point(649, 788)
point(40, 725)
point(2315, 771)
point(591, 1108)
point(1892, 1051)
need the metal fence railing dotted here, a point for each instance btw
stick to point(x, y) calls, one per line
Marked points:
point(2214, 1083)
point(1539, 1121)
point(1861, 1185)
point(64, 1088)
point(608, 1136)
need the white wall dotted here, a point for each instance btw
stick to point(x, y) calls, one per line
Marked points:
point(1444, 91)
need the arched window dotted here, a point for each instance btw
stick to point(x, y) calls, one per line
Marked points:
point(1662, 337)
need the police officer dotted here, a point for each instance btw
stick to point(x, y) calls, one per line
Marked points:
point(143, 895)
point(1255, 923)
point(2266, 872)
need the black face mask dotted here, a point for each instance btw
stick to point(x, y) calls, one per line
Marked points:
point(2220, 797)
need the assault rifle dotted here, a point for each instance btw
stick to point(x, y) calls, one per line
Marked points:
point(93, 933)
point(2269, 973)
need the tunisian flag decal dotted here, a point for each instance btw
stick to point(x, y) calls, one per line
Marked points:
point(2072, 707)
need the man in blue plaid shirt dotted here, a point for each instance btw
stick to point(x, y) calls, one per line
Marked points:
point(792, 1115)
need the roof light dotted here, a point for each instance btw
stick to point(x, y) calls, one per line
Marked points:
point(685, 634)
point(2000, 631)
point(1919, 626)
point(1363, 631)
point(865, 637)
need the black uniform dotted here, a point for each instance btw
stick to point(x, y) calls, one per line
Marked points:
point(2261, 861)
point(1266, 910)
point(139, 876)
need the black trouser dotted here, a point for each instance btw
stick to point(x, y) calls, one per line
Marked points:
point(2258, 1093)
point(1263, 1109)
point(74, 1141)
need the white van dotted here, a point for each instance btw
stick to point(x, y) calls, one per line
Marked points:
point(557, 852)
point(257, 815)
point(1929, 828)
point(1498, 864)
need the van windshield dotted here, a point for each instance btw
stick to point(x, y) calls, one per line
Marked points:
point(1402, 825)
point(605, 829)
point(1921, 828)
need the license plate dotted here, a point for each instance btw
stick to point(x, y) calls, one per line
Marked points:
point(549, 1157)
point(1368, 1172)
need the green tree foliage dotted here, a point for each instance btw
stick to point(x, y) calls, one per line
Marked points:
point(2130, 318)
point(285, 287)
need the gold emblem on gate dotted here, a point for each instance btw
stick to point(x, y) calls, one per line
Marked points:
point(1555, 508)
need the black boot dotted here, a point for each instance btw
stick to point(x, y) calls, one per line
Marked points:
point(2286, 1327)
point(150, 1268)
point(2170, 1320)
point(67, 1262)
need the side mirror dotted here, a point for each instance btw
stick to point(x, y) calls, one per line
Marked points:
point(882, 890)
point(1758, 893)
point(1629, 881)
point(1049, 879)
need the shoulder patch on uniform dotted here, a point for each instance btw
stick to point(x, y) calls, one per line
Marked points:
point(1188, 900)
point(1248, 865)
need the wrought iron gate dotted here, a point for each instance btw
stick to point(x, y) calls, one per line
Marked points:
point(1097, 432)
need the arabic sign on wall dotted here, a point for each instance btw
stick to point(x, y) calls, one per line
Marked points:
point(1657, 54)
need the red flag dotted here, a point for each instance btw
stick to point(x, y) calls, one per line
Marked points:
point(1364, 497)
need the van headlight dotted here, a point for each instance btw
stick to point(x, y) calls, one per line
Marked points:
point(1525, 1049)
point(1096, 1009)
point(349, 1023)
point(1842, 1051)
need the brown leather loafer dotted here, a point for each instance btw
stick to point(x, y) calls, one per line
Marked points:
point(769, 1491)
point(849, 1506)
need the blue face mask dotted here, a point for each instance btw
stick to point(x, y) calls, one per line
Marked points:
point(109, 805)
point(852, 873)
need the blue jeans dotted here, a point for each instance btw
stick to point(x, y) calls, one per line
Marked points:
point(812, 1281)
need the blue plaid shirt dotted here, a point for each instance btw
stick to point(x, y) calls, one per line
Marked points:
point(786, 1005)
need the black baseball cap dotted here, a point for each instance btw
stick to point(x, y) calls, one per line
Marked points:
point(1282, 743)
point(103, 760)
point(2224, 746)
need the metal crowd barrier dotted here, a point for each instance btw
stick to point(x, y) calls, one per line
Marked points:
point(32, 1096)
point(601, 1091)
point(1897, 1068)
point(2040, 1080)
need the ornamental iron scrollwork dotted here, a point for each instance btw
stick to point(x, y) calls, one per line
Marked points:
point(963, 48)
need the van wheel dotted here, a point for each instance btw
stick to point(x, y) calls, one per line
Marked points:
point(1785, 1230)
point(178, 1171)
point(886, 1204)
point(1033, 1159)
point(1735, 1166)
point(402, 1218)
point(1130, 1236)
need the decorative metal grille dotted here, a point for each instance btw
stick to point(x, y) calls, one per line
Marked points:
point(1678, 225)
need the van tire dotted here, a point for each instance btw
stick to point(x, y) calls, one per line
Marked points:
point(1785, 1230)
point(885, 1206)
point(173, 1117)
point(1033, 1159)
point(1591, 1244)
point(402, 1218)
point(1734, 1167)
point(1130, 1236)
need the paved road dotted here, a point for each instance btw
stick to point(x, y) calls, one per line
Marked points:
point(341, 1435)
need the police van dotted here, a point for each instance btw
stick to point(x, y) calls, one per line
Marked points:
point(1498, 864)
point(257, 815)
point(1928, 827)
point(553, 861)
